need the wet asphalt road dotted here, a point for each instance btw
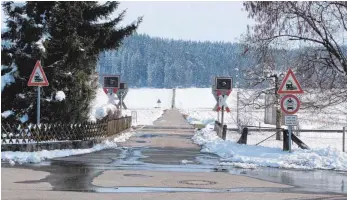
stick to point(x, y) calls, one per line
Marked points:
point(76, 173)
point(149, 150)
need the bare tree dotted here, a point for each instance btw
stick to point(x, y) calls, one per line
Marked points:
point(263, 78)
point(315, 31)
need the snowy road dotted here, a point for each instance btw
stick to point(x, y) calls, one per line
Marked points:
point(160, 163)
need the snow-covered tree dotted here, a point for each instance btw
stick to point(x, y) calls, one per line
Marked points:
point(201, 60)
point(67, 37)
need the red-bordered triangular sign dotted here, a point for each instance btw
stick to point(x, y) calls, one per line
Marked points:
point(38, 76)
point(290, 84)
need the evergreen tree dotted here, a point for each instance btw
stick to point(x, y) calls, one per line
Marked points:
point(67, 37)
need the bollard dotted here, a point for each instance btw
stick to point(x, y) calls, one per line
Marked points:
point(285, 140)
point(243, 138)
point(215, 125)
point(343, 139)
point(224, 132)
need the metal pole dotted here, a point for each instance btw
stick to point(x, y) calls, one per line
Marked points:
point(121, 103)
point(222, 120)
point(290, 138)
point(343, 139)
point(237, 109)
point(38, 104)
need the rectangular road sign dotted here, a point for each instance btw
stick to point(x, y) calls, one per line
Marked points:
point(223, 83)
point(291, 120)
point(111, 81)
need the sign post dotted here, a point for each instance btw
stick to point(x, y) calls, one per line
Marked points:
point(290, 104)
point(217, 99)
point(111, 83)
point(38, 109)
point(121, 94)
point(290, 121)
point(221, 90)
point(38, 78)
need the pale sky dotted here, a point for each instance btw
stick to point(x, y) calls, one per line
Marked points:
point(187, 20)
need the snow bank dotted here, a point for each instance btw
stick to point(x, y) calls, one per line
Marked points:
point(144, 116)
point(143, 102)
point(247, 156)
point(60, 95)
point(36, 157)
point(101, 105)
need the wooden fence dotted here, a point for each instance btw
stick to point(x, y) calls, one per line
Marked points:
point(312, 137)
point(28, 133)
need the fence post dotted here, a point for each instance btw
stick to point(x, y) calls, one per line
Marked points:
point(243, 138)
point(343, 139)
point(224, 132)
point(285, 140)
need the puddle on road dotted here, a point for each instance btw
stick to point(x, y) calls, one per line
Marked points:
point(227, 190)
point(150, 189)
point(149, 136)
point(72, 175)
point(191, 189)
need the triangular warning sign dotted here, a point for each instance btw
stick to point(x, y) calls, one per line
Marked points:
point(290, 84)
point(38, 76)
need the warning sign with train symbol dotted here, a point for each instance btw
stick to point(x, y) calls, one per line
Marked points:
point(38, 76)
point(290, 84)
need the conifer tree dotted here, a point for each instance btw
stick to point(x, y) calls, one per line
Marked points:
point(67, 37)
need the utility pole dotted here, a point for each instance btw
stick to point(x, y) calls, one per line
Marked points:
point(278, 110)
point(121, 104)
point(238, 108)
point(277, 105)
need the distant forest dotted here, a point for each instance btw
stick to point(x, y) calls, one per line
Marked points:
point(144, 61)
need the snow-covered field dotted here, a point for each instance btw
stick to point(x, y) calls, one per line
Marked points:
point(144, 103)
point(250, 156)
point(140, 102)
point(197, 103)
